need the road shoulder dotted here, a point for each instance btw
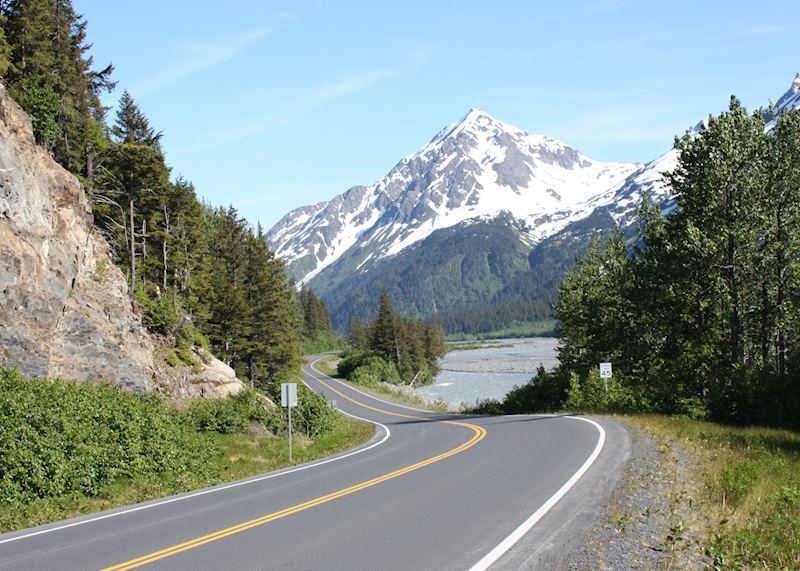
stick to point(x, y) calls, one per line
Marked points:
point(568, 525)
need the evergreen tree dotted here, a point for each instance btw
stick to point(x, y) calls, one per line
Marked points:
point(384, 334)
point(229, 322)
point(272, 346)
point(357, 334)
point(52, 77)
point(132, 127)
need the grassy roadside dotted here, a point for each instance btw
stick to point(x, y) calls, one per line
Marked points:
point(384, 391)
point(743, 491)
point(237, 456)
point(68, 449)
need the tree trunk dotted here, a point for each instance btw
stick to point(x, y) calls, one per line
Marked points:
point(164, 245)
point(89, 162)
point(133, 255)
point(780, 302)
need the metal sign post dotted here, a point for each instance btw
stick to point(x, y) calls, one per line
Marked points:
point(605, 374)
point(289, 400)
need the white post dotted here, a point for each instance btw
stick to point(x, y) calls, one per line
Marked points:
point(290, 434)
point(289, 400)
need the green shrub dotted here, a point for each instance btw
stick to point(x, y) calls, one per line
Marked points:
point(543, 393)
point(488, 406)
point(595, 394)
point(368, 368)
point(232, 414)
point(172, 359)
point(314, 416)
point(160, 313)
point(58, 437)
point(738, 480)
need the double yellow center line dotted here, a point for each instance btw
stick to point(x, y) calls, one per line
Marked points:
point(479, 434)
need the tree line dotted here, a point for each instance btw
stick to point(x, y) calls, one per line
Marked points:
point(701, 314)
point(199, 274)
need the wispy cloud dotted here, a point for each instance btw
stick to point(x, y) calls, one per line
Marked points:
point(323, 94)
point(310, 100)
point(763, 30)
point(199, 56)
point(630, 126)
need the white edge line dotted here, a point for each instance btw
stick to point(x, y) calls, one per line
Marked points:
point(386, 436)
point(372, 396)
point(495, 554)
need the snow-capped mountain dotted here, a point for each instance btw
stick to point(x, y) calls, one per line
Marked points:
point(483, 215)
point(477, 167)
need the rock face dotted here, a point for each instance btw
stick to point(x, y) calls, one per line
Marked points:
point(64, 306)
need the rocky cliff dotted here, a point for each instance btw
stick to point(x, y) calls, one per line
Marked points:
point(64, 306)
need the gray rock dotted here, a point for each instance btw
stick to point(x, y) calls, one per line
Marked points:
point(64, 306)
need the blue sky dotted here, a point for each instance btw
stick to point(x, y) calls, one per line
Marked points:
point(273, 105)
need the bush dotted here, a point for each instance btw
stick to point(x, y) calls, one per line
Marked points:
point(232, 414)
point(543, 393)
point(160, 313)
point(594, 394)
point(313, 416)
point(58, 437)
point(368, 368)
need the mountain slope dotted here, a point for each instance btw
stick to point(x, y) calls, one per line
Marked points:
point(476, 167)
point(476, 181)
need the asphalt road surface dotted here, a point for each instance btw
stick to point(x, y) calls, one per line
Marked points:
point(430, 491)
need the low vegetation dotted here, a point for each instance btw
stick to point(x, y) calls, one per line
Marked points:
point(541, 328)
point(748, 492)
point(72, 448)
point(470, 346)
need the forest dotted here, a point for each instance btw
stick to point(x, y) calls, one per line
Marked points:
point(700, 312)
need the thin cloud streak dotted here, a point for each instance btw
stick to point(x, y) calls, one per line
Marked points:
point(202, 56)
point(312, 99)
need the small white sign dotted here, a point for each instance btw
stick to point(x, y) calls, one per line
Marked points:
point(605, 370)
point(288, 394)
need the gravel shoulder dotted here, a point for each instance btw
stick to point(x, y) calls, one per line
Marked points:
point(649, 517)
point(632, 510)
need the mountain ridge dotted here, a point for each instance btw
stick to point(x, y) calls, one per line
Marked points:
point(472, 171)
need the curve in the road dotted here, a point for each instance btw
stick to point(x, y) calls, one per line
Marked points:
point(478, 434)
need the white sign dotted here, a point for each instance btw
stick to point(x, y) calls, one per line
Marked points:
point(288, 394)
point(605, 371)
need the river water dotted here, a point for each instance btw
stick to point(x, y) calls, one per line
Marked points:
point(476, 374)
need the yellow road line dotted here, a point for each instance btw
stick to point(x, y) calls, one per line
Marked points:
point(479, 434)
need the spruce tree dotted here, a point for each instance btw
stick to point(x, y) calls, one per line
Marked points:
point(384, 333)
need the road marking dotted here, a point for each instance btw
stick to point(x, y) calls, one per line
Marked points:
point(479, 434)
point(387, 434)
point(369, 395)
point(495, 554)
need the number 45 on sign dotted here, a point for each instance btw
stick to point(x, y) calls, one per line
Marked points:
point(605, 373)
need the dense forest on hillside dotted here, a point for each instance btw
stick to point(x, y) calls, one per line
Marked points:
point(200, 275)
point(703, 316)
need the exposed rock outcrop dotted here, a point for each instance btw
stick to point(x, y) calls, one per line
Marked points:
point(64, 306)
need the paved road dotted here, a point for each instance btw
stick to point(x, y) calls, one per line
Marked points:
point(429, 491)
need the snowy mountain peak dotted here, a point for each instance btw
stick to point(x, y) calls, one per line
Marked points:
point(475, 167)
point(792, 97)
